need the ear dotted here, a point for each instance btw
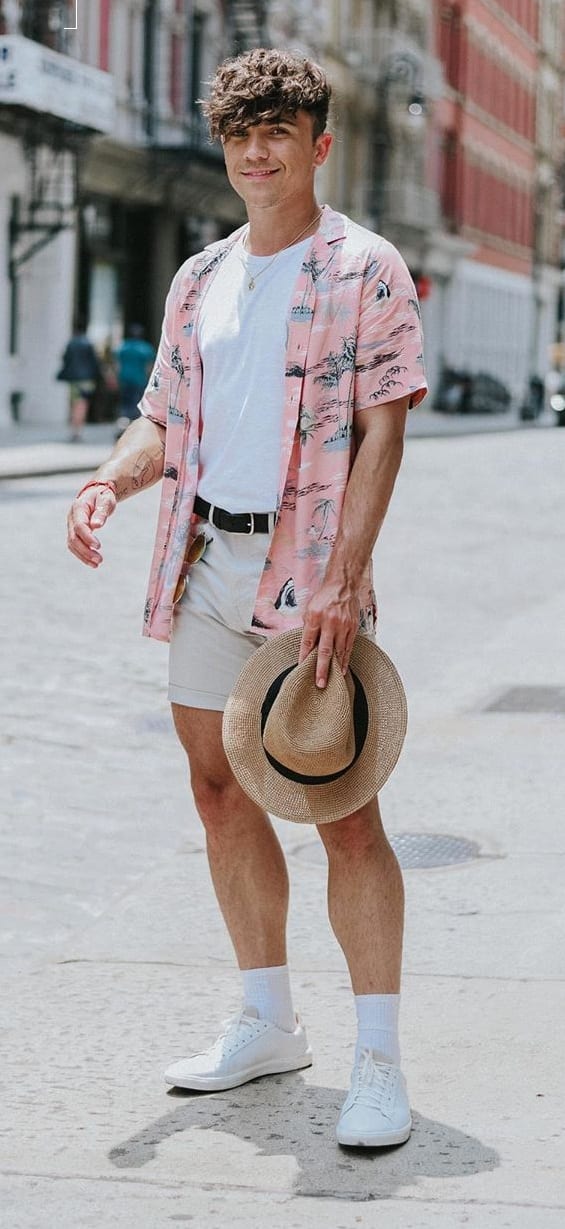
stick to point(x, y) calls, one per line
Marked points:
point(322, 146)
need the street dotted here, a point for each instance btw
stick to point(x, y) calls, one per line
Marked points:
point(114, 956)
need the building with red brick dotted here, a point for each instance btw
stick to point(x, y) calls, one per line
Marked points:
point(447, 123)
point(496, 261)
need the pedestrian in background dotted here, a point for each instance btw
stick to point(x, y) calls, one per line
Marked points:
point(81, 371)
point(134, 359)
point(290, 354)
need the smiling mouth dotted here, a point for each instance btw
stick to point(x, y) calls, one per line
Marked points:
point(258, 174)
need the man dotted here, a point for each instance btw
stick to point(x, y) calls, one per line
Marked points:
point(81, 371)
point(134, 358)
point(289, 356)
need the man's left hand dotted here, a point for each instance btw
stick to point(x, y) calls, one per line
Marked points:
point(331, 621)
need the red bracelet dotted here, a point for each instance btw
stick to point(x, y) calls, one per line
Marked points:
point(98, 482)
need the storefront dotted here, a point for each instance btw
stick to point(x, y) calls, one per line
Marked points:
point(51, 107)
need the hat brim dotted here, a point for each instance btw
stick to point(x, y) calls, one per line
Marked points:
point(314, 804)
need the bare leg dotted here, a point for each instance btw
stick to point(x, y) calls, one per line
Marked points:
point(246, 861)
point(79, 410)
point(365, 900)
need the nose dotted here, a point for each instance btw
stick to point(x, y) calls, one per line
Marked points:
point(256, 147)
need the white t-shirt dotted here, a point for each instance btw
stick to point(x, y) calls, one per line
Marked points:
point(242, 336)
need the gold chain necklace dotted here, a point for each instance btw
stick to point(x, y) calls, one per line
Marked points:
point(253, 279)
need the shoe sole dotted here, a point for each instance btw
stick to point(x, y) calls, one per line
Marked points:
point(362, 1139)
point(218, 1083)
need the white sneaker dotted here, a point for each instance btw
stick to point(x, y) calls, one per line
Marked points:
point(377, 1110)
point(246, 1048)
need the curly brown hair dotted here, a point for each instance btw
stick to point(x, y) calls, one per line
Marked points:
point(265, 84)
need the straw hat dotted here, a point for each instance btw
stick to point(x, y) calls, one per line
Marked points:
point(308, 754)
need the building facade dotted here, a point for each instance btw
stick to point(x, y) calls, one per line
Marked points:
point(497, 153)
point(386, 79)
point(50, 108)
point(109, 156)
point(154, 189)
point(446, 118)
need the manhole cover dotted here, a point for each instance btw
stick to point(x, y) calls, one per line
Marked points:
point(529, 700)
point(413, 849)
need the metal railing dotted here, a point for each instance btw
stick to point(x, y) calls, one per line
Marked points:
point(246, 22)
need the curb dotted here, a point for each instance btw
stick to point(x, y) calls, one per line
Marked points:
point(53, 468)
point(57, 472)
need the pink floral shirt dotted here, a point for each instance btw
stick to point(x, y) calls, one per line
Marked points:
point(353, 341)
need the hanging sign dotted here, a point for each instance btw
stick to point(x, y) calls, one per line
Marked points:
point(34, 77)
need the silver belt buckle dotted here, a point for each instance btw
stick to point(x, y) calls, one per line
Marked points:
point(251, 529)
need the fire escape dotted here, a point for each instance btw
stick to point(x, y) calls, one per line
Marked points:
point(246, 24)
point(244, 27)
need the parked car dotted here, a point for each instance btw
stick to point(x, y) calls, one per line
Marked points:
point(453, 391)
point(489, 395)
point(532, 405)
point(557, 403)
point(465, 392)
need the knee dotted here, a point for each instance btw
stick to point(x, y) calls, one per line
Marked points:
point(214, 801)
point(353, 838)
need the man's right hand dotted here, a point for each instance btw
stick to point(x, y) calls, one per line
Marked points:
point(89, 510)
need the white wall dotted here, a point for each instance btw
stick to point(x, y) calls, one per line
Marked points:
point(488, 323)
point(46, 297)
point(45, 294)
point(433, 322)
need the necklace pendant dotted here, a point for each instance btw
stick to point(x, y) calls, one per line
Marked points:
point(251, 283)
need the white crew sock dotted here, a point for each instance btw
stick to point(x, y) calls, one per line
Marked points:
point(268, 990)
point(377, 1021)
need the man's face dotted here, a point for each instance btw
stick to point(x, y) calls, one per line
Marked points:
point(270, 162)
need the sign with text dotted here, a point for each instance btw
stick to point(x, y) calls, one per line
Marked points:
point(39, 79)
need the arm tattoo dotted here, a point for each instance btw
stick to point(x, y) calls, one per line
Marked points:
point(143, 471)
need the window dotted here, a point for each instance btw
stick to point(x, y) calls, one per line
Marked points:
point(196, 58)
point(9, 16)
point(150, 18)
point(44, 21)
point(450, 32)
point(104, 35)
point(449, 178)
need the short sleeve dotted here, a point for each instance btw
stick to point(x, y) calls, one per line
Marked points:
point(389, 361)
point(154, 402)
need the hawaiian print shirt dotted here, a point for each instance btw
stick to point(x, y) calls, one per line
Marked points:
point(353, 341)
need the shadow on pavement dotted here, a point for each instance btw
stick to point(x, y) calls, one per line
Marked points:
point(290, 1118)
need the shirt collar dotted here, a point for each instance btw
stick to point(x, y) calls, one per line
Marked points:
point(333, 226)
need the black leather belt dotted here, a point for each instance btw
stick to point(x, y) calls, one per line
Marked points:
point(234, 522)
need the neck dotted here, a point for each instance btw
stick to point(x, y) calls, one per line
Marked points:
point(276, 228)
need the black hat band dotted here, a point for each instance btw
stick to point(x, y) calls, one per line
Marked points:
point(360, 727)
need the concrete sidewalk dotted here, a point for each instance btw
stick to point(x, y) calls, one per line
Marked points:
point(116, 960)
point(33, 451)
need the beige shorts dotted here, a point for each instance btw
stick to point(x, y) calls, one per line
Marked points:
point(212, 638)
